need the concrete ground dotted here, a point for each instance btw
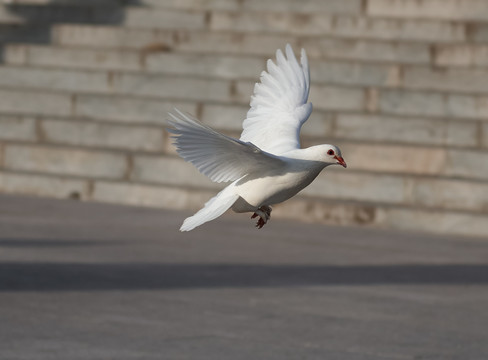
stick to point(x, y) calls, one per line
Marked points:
point(94, 281)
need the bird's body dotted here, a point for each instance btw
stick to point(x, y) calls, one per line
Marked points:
point(266, 165)
point(278, 185)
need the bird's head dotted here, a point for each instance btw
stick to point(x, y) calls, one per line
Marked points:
point(333, 155)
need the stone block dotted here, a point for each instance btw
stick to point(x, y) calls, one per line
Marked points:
point(17, 128)
point(337, 98)
point(111, 37)
point(365, 50)
point(174, 198)
point(304, 7)
point(242, 90)
point(319, 125)
point(307, 6)
point(34, 102)
point(40, 185)
point(382, 158)
point(484, 135)
point(354, 73)
point(470, 55)
point(274, 22)
point(159, 41)
point(220, 66)
point(447, 194)
point(15, 54)
point(434, 221)
point(76, 58)
point(405, 130)
point(412, 103)
point(342, 184)
point(462, 80)
point(232, 43)
point(477, 32)
point(89, 134)
point(172, 87)
point(398, 29)
point(128, 109)
point(326, 211)
point(467, 164)
point(169, 170)
point(53, 79)
point(467, 106)
point(462, 133)
point(153, 18)
point(224, 117)
point(337, 25)
point(436, 9)
point(65, 161)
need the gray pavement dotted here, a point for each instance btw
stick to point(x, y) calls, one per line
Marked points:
point(95, 281)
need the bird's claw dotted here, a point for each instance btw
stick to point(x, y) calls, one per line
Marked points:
point(264, 213)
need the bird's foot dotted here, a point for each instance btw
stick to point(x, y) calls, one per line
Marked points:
point(264, 213)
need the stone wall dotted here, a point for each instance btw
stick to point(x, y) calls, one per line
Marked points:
point(400, 85)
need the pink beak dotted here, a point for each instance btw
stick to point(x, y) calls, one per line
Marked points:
point(340, 161)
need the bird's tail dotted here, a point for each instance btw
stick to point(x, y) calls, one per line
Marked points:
point(213, 208)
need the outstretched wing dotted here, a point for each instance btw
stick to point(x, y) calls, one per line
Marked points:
point(279, 105)
point(216, 155)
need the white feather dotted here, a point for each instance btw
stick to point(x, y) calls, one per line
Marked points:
point(215, 155)
point(279, 105)
point(213, 208)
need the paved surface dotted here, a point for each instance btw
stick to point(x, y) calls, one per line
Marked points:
point(91, 281)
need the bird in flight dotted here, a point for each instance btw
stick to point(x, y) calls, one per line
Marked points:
point(266, 166)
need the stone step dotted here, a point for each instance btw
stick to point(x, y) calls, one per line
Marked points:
point(237, 43)
point(333, 184)
point(149, 18)
point(34, 102)
point(473, 10)
point(356, 127)
point(44, 185)
point(124, 109)
point(163, 86)
point(301, 7)
point(466, 55)
point(337, 98)
point(293, 23)
point(371, 157)
point(342, 26)
point(301, 208)
point(63, 161)
point(205, 65)
point(365, 127)
point(473, 80)
point(382, 186)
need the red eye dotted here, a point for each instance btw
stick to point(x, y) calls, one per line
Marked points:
point(330, 152)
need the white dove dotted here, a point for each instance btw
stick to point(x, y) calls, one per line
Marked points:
point(266, 165)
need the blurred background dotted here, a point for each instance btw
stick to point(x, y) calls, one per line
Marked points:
point(401, 86)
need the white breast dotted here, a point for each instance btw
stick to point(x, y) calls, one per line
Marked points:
point(273, 189)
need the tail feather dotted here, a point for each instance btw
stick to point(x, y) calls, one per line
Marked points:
point(213, 208)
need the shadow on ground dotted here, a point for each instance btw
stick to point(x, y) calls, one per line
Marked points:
point(137, 276)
